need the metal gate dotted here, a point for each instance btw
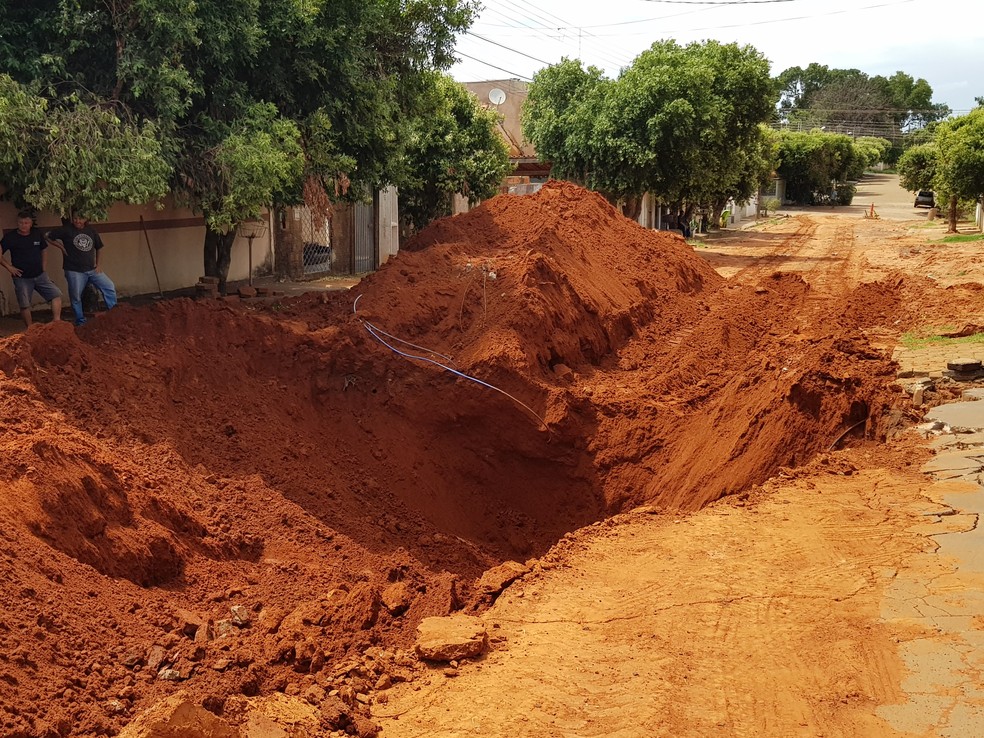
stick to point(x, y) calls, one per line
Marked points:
point(364, 241)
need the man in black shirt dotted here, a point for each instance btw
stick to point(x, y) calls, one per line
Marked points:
point(28, 260)
point(80, 245)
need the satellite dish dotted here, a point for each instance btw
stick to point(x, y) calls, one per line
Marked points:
point(497, 96)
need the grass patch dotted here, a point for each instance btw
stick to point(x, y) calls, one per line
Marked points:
point(932, 337)
point(961, 238)
point(766, 222)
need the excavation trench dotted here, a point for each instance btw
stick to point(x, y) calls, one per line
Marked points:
point(189, 456)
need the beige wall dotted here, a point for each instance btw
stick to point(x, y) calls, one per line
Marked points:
point(510, 109)
point(176, 236)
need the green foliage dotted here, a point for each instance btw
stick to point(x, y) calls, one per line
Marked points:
point(242, 100)
point(682, 122)
point(255, 164)
point(850, 100)
point(960, 163)
point(76, 157)
point(95, 159)
point(871, 150)
point(771, 204)
point(917, 167)
point(453, 148)
point(22, 132)
point(559, 118)
point(811, 162)
point(952, 163)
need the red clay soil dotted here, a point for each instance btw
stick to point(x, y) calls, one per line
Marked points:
point(164, 464)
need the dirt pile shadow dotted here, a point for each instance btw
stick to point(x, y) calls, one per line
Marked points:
point(169, 463)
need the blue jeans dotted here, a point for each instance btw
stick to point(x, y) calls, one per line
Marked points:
point(77, 282)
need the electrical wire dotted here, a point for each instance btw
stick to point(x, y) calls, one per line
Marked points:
point(493, 66)
point(608, 56)
point(716, 27)
point(771, 21)
point(533, 14)
point(376, 333)
point(507, 48)
point(604, 25)
point(718, 2)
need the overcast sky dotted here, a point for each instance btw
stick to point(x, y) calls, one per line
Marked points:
point(941, 41)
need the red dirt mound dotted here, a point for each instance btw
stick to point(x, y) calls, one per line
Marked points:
point(235, 500)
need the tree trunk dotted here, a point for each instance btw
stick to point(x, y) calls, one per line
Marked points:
point(717, 211)
point(953, 214)
point(218, 255)
point(632, 207)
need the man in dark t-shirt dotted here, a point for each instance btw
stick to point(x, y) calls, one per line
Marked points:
point(27, 267)
point(80, 246)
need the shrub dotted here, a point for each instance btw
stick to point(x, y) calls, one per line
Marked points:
point(845, 193)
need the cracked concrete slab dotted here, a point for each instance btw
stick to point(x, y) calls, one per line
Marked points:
point(960, 414)
point(942, 592)
point(963, 460)
point(958, 440)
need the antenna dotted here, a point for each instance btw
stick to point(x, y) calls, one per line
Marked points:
point(497, 96)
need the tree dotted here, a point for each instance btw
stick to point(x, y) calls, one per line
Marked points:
point(247, 99)
point(811, 162)
point(870, 150)
point(76, 157)
point(917, 167)
point(959, 171)
point(952, 163)
point(559, 118)
point(453, 147)
point(682, 122)
point(850, 101)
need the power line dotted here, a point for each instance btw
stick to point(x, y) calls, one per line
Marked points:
point(507, 48)
point(710, 28)
point(514, 74)
point(546, 16)
point(774, 20)
point(620, 59)
point(718, 2)
point(603, 25)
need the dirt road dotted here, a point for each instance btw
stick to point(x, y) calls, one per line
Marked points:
point(755, 620)
point(771, 615)
point(238, 514)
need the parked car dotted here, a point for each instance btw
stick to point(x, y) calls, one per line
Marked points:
point(924, 199)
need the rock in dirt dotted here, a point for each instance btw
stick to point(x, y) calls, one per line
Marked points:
point(397, 598)
point(339, 716)
point(156, 657)
point(188, 622)
point(240, 616)
point(498, 578)
point(178, 717)
point(451, 638)
point(170, 675)
point(564, 372)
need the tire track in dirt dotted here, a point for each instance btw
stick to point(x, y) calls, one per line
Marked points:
point(821, 250)
point(754, 620)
